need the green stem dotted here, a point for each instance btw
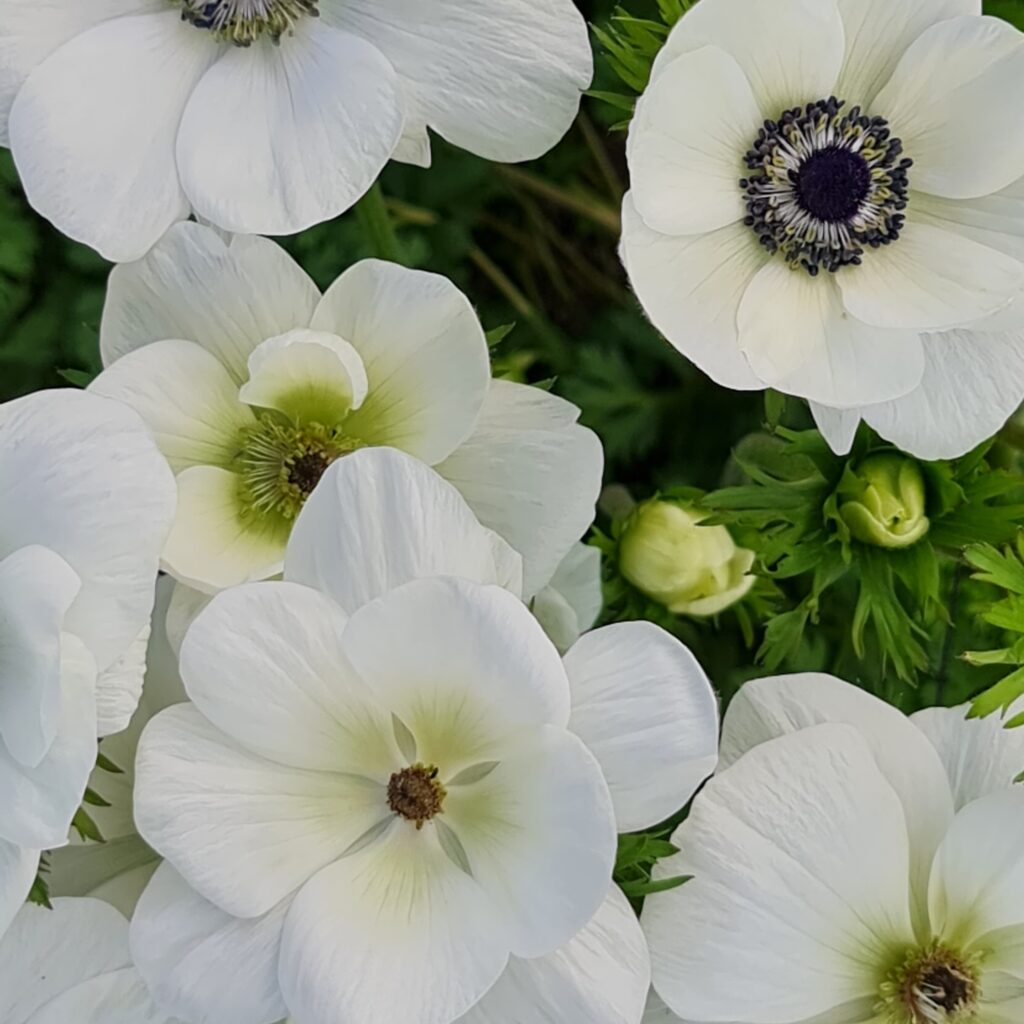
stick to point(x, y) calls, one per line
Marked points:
point(377, 226)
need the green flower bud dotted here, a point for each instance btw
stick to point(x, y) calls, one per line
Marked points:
point(882, 501)
point(691, 569)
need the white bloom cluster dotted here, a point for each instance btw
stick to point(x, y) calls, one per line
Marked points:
point(381, 758)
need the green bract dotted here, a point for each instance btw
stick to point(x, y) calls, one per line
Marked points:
point(882, 501)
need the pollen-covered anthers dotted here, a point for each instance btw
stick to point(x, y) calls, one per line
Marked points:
point(280, 465)
point(242, 22)
point(825, 185)
point(416, 794)
point(935, 986)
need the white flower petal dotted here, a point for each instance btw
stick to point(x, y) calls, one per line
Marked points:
point(227, 297)
point(878, 33)
point(265, 664)
point(212, 545)
point(798, 338)
point(115, 871)
point(953, 101)
point(275, 139)
point(308, 375)
point(244, 832)
point(403, 895)
point(981, 755)
point(767, 708)
point(119, 687)
point(93, 487)
point(117, 997)
point(791, 50)
point(600, 976)
point(29, 33)
point(645, 709)
point(48, 952)
point(40, 802)
point(570, 604)
point(687, 141)
point(36, 590)
point(538, 834)
point(531, 474)
point(800, 862)
point(501, 78)
point(656, 1012)
point(201, 964)
point(691, 288)
point(380, 518)
point(472, 670)
point(18, 868)
point(186, 398)
point(930, 279)
point(839, 426)
point(978, 878)
point(972, 384)
point(96, 152)
point(424, 351)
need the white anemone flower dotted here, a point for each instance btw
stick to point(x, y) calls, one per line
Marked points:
point(267, 116)
point(70, 965)
point(850, 866)
point(252, 383)
point(85, 511)
point(828, 199)
point(316, 862)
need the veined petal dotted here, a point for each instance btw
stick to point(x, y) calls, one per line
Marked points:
point(265, 664)
point(767, 708)
point(275, 139)
point(225, 296)
point(501, 78)
point(981, 755)
point(119, 687)
point(800, 868)
point(878, 33)
point(36, 590)
point(930, 279)
point(243, 831)
point(39, 802)
point(473, 670)
point(425, 355)
point(201, 964)
point(531, 474)
point(445, 946)
point(310, 376)
point(687, 141)
point(798, 338)
point(213, 544)
point(600, 976)
point(645, 709)
point(691, 289)
point(186, 398)
point(380, 518)
point(790, 50)
point(18, 867)
point(953, 101)
point(96, 152)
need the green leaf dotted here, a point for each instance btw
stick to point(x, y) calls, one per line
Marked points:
point(638, 890)
point(1000, 697)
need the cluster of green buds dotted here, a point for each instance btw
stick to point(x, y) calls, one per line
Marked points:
point(692, 569)
point(882, 501)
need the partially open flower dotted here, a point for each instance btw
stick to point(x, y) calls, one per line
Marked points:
point(666, 553)
point(882, 501)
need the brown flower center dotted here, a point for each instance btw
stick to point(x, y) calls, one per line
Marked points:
point(415, 794)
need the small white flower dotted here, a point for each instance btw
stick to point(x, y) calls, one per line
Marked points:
point(267, 116)
point(827, 199)
point(842, 873)
point(317, 862)
point(70, 965)
point(253, 383)
point(83, 516)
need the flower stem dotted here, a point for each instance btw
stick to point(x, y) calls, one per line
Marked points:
point(377, 226)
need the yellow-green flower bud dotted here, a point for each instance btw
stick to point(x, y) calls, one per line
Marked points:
point(691, 569)
point(882, 501)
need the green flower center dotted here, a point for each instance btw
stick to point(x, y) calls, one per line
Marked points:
point(932, 986)
point(243, 22)
point(281, 464)
point(415, 793)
